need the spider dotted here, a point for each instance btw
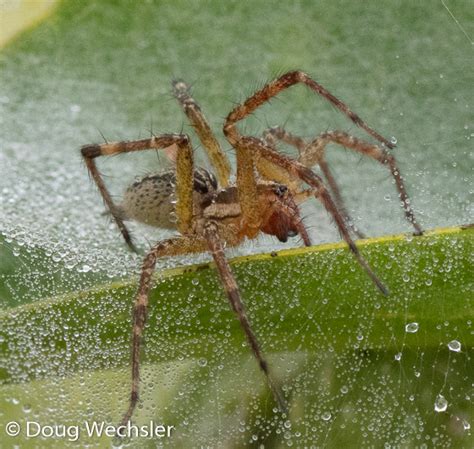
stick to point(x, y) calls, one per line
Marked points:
point(211, 213)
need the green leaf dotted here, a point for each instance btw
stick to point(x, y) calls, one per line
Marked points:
point(303, 303)
point(429, 279)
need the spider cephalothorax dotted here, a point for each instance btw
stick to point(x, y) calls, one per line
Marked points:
point(210, 212)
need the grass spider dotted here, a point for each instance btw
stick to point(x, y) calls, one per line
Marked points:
point(212, 213)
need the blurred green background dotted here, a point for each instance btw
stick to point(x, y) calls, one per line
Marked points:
point(105, 67)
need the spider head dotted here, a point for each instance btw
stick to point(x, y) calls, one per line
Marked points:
point(282, 218)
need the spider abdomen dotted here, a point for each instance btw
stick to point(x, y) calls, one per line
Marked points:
point(152, 199)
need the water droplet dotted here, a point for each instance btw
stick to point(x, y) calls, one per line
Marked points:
point(344, 389)
point(466, 425)
point(56, 257)
point(202, 362)
point(85, 268)
point(393, 140)
point(398, 356)
point(441, 404)
point(412, 328)
point(326, 416)
point(428, 282)
point(387, 197)
point(454, 346)
point(195, 281)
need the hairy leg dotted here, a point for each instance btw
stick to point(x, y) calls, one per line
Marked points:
point(218, 158)
point(314, 154)
point(299, 170)
point(273, 88)
point(272, 135)
point(232, 292)
point(184, 175)
point(171, 247)
point(245, 153)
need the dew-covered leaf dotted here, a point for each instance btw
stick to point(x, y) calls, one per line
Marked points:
point(336, 344)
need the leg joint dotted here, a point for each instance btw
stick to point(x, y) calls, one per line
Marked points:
point(91, 151)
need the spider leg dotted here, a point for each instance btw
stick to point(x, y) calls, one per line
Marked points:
point(274, 88)
point(323, 165)
point(184, 168)
point(171, 247)
point(246, 182)
point(314, 154)
point(218, 158)
point(232, 292)
point(271, 135)
point(247, 189)
point(274, 172)
point(309, 177)
point(275, 133)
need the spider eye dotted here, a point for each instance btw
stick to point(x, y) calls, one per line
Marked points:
point(204, 181)
point(280, 190)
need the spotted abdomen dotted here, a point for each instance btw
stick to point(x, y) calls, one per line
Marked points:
point(152, 199)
